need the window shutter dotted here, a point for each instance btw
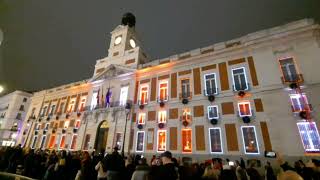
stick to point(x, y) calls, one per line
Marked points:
point(200, 139)
point(231, 136)
point(174, 85)
point(173, 138)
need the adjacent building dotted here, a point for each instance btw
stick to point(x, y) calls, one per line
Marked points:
point(256, 93)
point(13, 109)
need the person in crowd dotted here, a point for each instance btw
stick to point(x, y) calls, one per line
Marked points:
point(102, 170)
point(289, 175)
point(168, 169)
point(156, 165)
point(115, 165)
point(253, 172)
point(241, 172)
point(209, 173)
point(61, 167)
point(87, 170)
point(130, 168)
point(185, 171)
point(142, 171)
point(269, 174)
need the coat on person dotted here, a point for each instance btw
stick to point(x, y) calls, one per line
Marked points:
point(142, 172)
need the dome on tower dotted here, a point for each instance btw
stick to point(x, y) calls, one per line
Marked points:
point(128, 19)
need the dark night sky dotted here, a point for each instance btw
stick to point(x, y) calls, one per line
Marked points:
point(48, 43)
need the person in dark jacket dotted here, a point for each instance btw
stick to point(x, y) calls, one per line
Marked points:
point(168, 169)
point(269, 172)
point(114, 165)
point(87, 171)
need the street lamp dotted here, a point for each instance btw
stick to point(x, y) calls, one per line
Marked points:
point(127, 110)
point(1, 89)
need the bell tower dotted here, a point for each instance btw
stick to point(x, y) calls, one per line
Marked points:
point(125, 47)
point(124, 36)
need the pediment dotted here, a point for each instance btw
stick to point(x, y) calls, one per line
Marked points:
point(112, 71)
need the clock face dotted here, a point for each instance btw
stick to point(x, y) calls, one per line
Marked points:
point(132, 43)
point(117, 40)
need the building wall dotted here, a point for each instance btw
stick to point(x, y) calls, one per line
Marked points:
point(13, 108)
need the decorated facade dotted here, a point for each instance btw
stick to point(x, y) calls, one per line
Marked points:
point(243, 97)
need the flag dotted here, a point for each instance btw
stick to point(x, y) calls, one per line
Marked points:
point(102, 100)
point(98, 97)
point(108, 97)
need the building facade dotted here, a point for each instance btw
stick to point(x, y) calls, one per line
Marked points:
point(13, 109)
point(256, 93)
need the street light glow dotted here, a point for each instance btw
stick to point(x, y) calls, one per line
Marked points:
point(1, 89)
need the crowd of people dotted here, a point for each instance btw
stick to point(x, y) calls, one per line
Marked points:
point(62, 165)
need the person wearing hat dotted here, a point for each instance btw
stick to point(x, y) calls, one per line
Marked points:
point(168, 169)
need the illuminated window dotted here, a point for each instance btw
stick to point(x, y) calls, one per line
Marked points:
point(77, 125)
point(162, 117)
point(46, 126)
point(161, 143)
point(186, 114)
point(94, 102)
point(73, 141)
point(250, 142)
point(289, 70)
point(61, 108)
point(210, 84)
point(43, 140)
point(163, 91)
point(140, 141)
point(86, 142)
point(142, 118)
point(144, 94)
point(244, 109)
point(62, 141)
point(213, 112)
point(239, 79)
point(52, 141)
point(215, 140)
point(66, 124)
point(35, 138)
point(53, 107)
point(310, 136)
point(186, 140)
point(71, 106)
point(118, 140)
point(298, 102)
point(44, 110)
point(82, 104)
point(38, 126)
point(185, 88)
point(123, 95)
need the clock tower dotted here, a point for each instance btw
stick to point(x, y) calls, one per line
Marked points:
point(125, 47)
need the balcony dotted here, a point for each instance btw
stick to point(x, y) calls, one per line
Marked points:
point(185, 95)
point(298, 78)
point(299, 109)
point(241, 88)
point(210, 91)
point(163, 99)
point(114, 104)
point(143, 102)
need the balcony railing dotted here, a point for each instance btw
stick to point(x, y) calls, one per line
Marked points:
point(143, 102)
point(185, 95)
point(292, 79)
point(241, 88)
point(106, 106)
point(210, 91)
point(308, 106)
point(162, 99)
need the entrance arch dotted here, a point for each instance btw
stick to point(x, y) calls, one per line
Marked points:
point(101, 136)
